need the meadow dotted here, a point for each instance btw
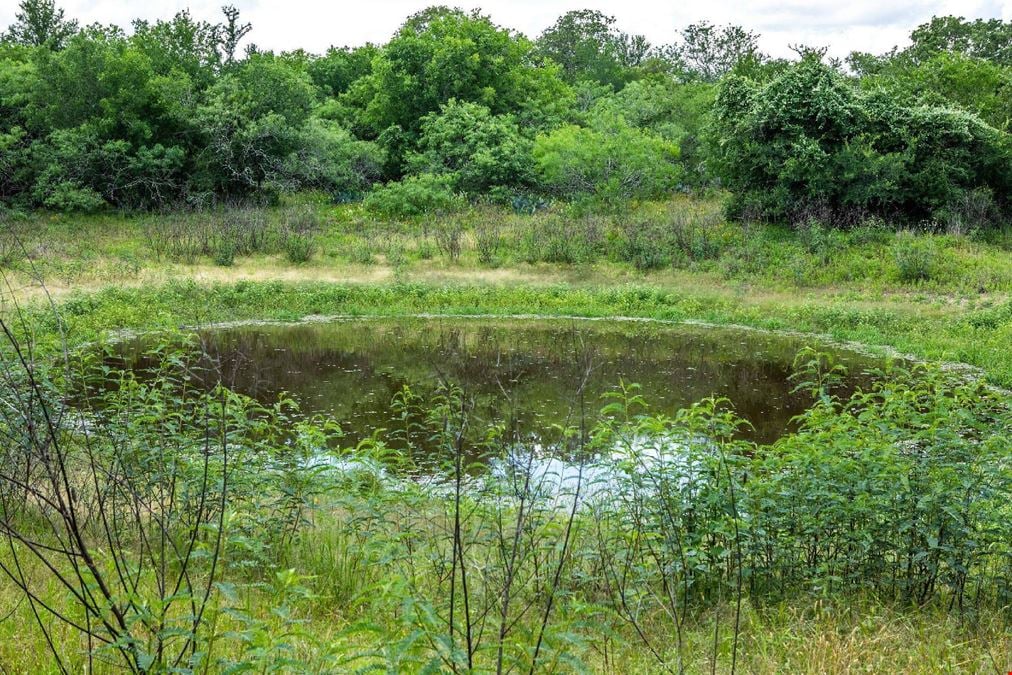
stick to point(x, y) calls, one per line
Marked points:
point(872, 539)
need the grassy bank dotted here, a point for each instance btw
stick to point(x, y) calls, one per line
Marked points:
point(674, 241)
point(936, 296)
point(930, 329)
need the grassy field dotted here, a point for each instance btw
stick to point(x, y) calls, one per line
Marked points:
point(937, 296)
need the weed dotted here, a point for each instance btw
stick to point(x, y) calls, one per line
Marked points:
point(916, 257)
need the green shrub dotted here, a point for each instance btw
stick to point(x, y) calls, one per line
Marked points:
point(679, 237)
point(396, 255)
point(562, 240)
point(488, 239)
point(916, 257)
point(299, 248)
point(644, 255)
point(249, 229)
point(609, 164)
point(68, 196)
point(971, 212)
point(821, 241)
point(448, 235)
point(224, 252)
point(413, 197)
point(360, 252)
point(426, 251)
point(810, 139)
point(479, 151)
point(871, 230)
point(642, 245)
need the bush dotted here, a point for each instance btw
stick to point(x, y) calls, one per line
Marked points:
point(681, 236)
point(413, 197)
point(820, 241)
point(610, 164)
point(248, 229)
point(448, 238)
point(224, 252)
point(973, 211)
point(299, 248)
point(809, 137)
point(915, 257)
point(488, 239)
point(562, 240)
point(331, 159)
point(871, 230)
point(477, 150)
point(644, 252)
point(395, 255)
point(361, 253)
point(426, 250)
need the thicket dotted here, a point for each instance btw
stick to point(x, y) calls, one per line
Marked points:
point(808, 140)
point(457, 108)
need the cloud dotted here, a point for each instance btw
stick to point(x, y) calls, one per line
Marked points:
point(867, 25)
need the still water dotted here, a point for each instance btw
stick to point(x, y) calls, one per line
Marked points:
point(533, 372)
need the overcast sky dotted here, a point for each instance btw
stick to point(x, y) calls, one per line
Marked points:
point(843, 25)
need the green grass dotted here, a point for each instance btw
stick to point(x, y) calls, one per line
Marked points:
point(686, 237)
point(937, 297)
point(860, 636)
point(927, 328)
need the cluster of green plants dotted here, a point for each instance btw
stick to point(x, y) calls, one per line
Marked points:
point(828, 145)
point(455, 108)
point(692, 235)
point(140, 519)
point(141, 496)
point(224, 234)
point(682, 235)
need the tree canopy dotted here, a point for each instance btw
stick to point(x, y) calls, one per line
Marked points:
point(184, 111)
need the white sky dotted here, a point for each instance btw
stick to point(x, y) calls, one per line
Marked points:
point(843, 25)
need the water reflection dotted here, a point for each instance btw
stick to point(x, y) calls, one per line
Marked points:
point(531, 373)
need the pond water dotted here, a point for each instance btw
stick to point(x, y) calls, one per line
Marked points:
point(526, 370)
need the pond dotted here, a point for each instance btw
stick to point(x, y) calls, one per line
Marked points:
point(529, 371)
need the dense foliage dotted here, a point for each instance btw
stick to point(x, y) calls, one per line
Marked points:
point(809, 138)
point(171, 113)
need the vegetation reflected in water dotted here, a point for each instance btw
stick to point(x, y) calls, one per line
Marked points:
point(524, 371)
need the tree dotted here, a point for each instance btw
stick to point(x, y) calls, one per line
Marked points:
point(442, 54)
point(612, 162)
point(39, 23)
point(232, 33)
point(477, 150)
point(334, 72)
point(983, 39)
point(951, 79)
point(809, 138)
point(253, 123)
point(17, 80)
point(181, 46)
point(673, 110)
point(950, 61)
point(414, 196)
point(709, 52)
point(327, 157)
point(588, 47)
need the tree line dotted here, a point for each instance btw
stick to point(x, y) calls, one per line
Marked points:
point(188, 113)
